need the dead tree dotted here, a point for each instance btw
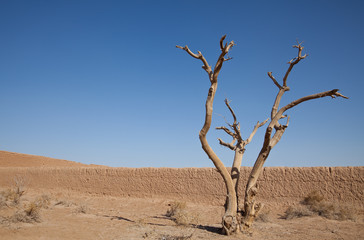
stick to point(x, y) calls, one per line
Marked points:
point(273, 135)
point(236, 220)
point(231, 219)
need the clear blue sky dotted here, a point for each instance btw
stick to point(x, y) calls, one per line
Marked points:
point(101, 81)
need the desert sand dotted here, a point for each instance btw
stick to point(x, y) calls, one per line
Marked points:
point(98, 202)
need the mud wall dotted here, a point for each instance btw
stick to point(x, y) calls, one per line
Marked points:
point(204, 185)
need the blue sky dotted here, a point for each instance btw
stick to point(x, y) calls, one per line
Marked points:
point(101, 82)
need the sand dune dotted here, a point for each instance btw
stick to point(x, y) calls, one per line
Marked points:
point(12, 159)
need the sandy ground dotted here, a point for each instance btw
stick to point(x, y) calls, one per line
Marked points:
point(88, 217)
point(74, 215)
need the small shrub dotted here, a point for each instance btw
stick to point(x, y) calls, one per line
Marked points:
point(313, 198)
point(43, 201)
point(30, 214)
point(314, 204)
point(2, 200)
point(177, 212)
point(334, 211)
point(83, 208)
point(175, 207)
point(263, 217)
point(185, 218)
point(12, 196)
point(297, 212)
point(32, 211)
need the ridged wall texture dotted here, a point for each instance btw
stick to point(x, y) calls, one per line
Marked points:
point(203, 185)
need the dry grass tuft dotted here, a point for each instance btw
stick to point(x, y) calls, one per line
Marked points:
point(26, 213)
point(12, 196)
point(297, 212)
point(315, 205)
point(185, 218)
point(83, 208)
point(30, 214)
point(334, 211)
point(175, 207)
point(178, 213)
point(312, 198)
point(2, 200)
point(264, 216)
point(43, 201)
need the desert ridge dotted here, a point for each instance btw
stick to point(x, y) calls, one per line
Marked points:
point(12, 159)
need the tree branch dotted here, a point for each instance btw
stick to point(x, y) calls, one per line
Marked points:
point(277, 101)
point(229, 145)
point(281, 128)
point(222, 42)
point(224, 50)
point(226, 130)
point(274, 80)
point(332, 93)
point(227, 103)
point(235, 126)
point(205, 66)
point(284, 88)
point(293, 62)
point(258, 125)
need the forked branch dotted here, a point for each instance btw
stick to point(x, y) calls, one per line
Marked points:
point(229, 145)
point(294, 61)
point(258, 125)
point(205, 66)
point(284, 88)
point(224, 51)
point(236, 134)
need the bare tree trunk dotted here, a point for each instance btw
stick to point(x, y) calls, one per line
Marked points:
point(251, 208)
point(235, 170)
point(229, 220)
